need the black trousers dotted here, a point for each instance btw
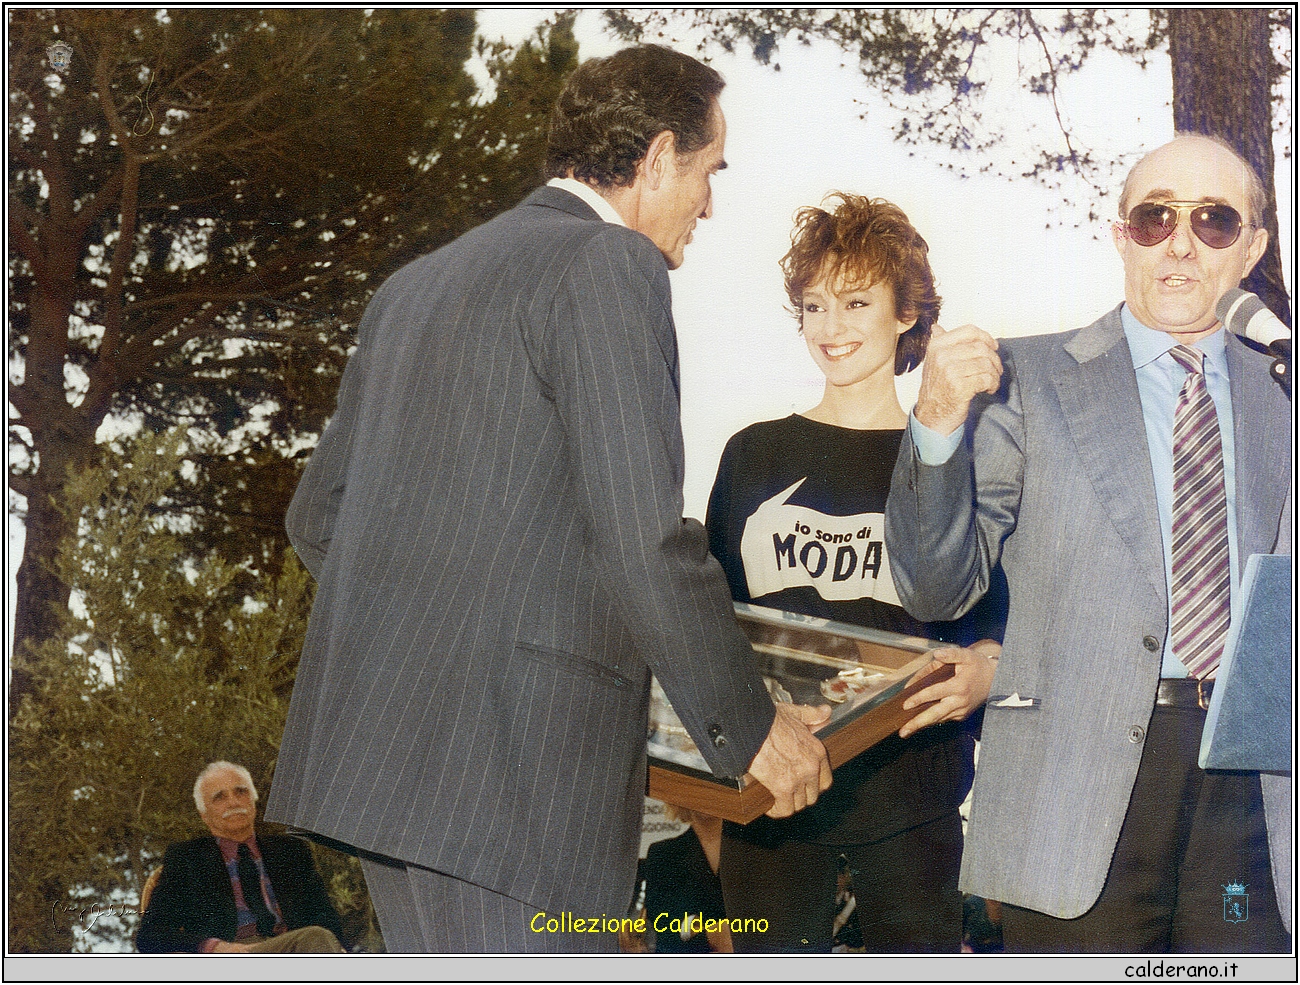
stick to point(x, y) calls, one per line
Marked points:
point(905, 886)
point(1189, 839)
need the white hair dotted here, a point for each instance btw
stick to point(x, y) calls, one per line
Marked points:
point(211, 768)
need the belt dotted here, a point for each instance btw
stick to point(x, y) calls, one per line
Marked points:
point(1184, 692)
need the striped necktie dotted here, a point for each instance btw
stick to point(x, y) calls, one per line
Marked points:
point(250, 881)
point(1200, 591)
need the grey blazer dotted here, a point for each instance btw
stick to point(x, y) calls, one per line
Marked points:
point(494, 517)
point(1055, 479)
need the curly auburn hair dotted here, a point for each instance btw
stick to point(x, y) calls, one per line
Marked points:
point(611, 108)
point(859, 242)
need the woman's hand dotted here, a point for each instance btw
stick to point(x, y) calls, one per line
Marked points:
point(957, 697)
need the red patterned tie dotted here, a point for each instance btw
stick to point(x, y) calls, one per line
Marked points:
point(1201, 588)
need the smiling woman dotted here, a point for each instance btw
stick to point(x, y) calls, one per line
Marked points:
point(796, 519)
point(859, 281)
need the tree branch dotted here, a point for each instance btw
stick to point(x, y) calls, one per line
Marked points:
point(23, 402)
point(236, 111)
point(124, 249)
point(96, 205)
point(21, 483)
point(1051, 74)
point(51, 165)
point(19, 216)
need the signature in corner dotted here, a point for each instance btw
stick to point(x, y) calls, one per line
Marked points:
point(90, 912)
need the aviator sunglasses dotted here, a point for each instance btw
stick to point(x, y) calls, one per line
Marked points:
point(1216, 225)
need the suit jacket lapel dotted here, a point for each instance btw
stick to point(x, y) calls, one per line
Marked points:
point(1259, 428)
point(1098, 393)
point(223, 893)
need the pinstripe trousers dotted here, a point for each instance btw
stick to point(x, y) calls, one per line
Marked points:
point(424, 911)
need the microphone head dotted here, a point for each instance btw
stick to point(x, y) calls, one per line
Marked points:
point(1246, 315)
point(1237, 306)
point(1224, 308)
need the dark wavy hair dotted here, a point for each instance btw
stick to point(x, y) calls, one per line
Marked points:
point(611, 108)
point(857, 243)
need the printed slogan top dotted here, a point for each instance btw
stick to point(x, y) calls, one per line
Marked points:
point(796, 519)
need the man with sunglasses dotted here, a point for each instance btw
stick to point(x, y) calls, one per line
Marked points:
point(1122, 473)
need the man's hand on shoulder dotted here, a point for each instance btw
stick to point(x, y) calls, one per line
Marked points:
point(792, 762)
point(958, 365)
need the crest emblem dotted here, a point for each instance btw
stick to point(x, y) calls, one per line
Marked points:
point(1236, 903)
point(60, 56)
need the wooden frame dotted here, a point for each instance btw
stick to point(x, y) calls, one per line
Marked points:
point(797, 652)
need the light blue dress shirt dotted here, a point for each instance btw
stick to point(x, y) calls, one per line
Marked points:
point(1159, 379)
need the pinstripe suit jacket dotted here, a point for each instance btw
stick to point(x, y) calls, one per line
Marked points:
point(1055, 478)
point(494, 517)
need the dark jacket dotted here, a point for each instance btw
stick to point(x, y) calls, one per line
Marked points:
point(194, 899)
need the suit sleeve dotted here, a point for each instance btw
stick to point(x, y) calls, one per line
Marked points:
point(945, 524)
point(315, 505)
point(171, 923)
point(611, 349)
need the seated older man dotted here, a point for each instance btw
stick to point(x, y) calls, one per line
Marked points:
point(202, 901)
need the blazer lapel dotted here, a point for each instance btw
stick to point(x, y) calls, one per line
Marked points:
point(218, 877)
point(1098, 394)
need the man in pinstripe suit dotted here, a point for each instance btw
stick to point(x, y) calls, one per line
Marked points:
point(494, 519)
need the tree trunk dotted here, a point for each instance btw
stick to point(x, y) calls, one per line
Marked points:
point(40, 593)
point(1224, 69)
point(61, 438)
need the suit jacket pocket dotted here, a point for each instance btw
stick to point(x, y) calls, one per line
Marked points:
point(583, 666)
point(1013, 701)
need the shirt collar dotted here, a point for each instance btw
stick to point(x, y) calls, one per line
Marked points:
point(230, 848)
point(589, 195)
point(1146, 345)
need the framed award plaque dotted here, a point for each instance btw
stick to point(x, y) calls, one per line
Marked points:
point(862, 674)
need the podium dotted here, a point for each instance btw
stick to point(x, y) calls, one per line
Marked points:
point(1248, 724)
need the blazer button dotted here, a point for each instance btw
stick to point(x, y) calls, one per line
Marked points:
point(1136, 733)
point(1151, 643)
point(715, 733)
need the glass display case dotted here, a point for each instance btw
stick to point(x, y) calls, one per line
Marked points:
point(863, 674)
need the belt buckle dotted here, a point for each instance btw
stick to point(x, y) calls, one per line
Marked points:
point(1202, 697)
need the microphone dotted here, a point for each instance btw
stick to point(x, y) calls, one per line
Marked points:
point(1246, 315)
